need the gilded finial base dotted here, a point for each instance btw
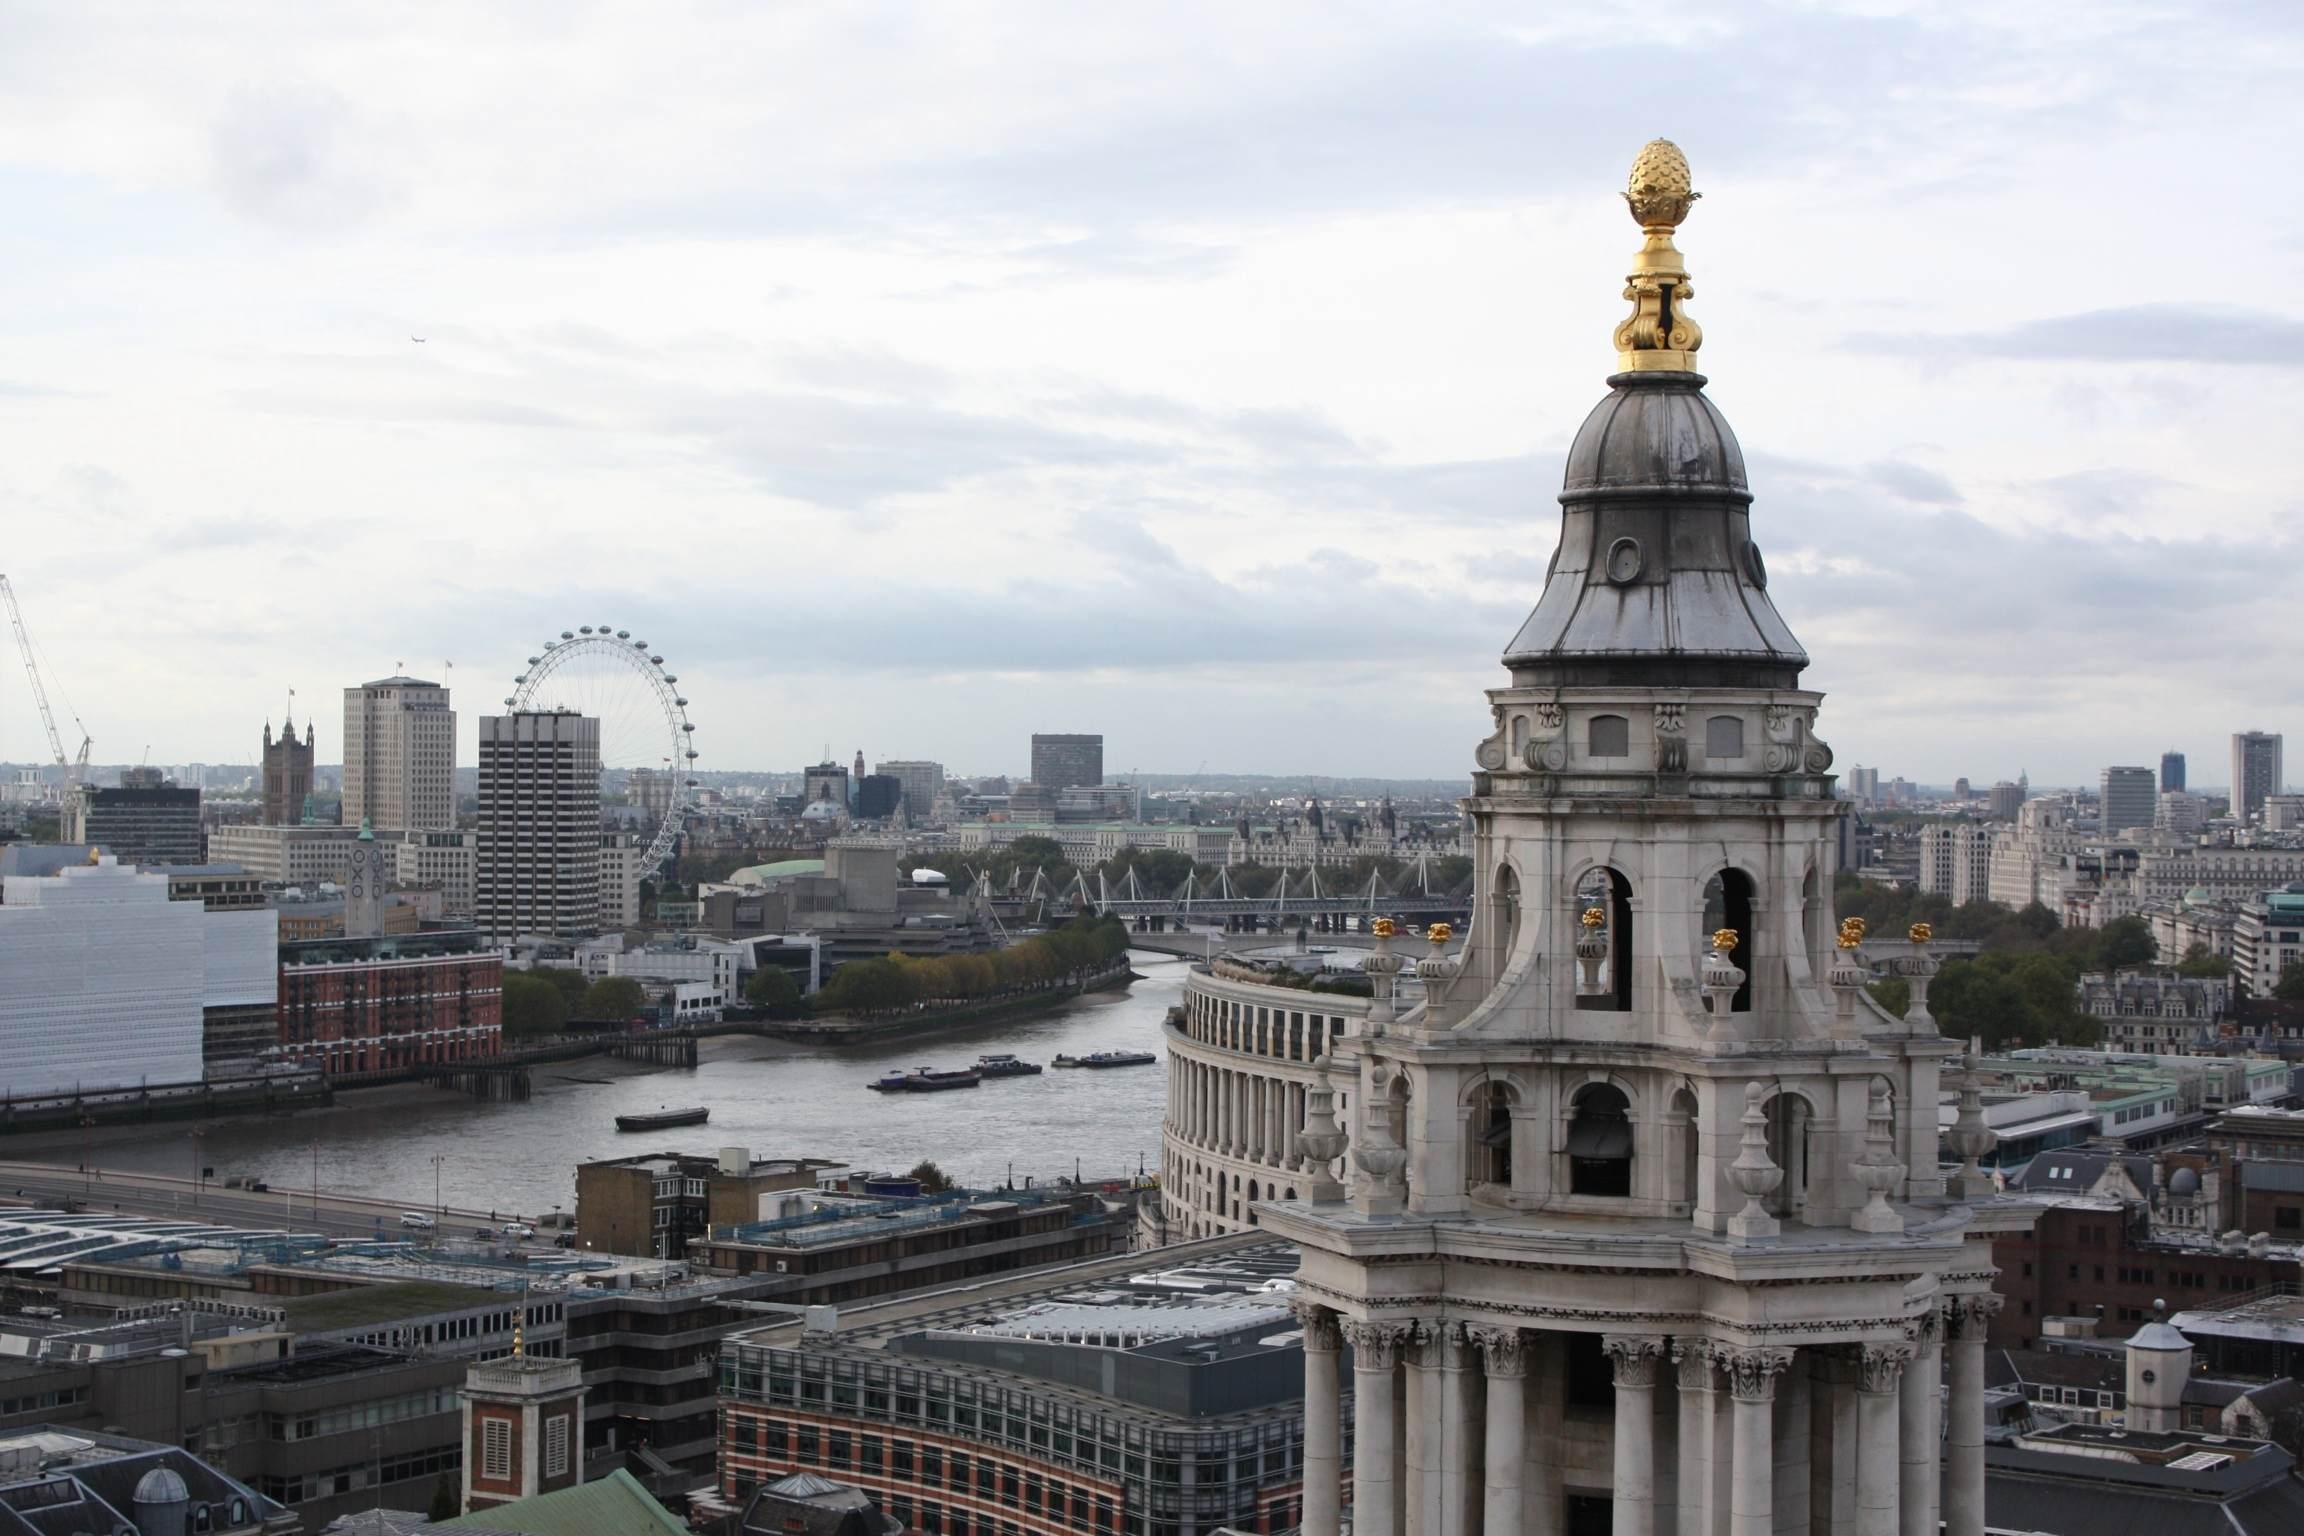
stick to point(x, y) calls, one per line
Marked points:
point(1658, 336)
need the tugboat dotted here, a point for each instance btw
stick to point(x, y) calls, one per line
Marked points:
point(928, 1081)
point(1006, 1066)
point(1098, 1059)
point(663, 1119)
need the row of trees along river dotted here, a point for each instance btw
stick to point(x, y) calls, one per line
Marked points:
point(541, 1001)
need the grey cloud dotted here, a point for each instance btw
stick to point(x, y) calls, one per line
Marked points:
point(1913, 483)
point(853, 453)
point(2139, 333)
point(282, 155)
point(479, 413)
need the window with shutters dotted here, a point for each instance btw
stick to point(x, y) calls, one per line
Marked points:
point(495, 1448)
point(556, 1447)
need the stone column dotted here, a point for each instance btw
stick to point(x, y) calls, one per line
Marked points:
point(1635, 1356)
point(1420, 1435)
point(1969, 1317)
point(1375, 1463)
point(1699, 1387)
point(1879, 1471)
point(1505, 1362)
point(1239, 1114)
point(1916, 1429)
point(1752, 1377)
point(1458, 1382)
point(1323, 1436)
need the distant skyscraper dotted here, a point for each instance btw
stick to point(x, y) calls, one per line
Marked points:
point(399, 755)
point(2129, 799)
point(2171, 771)
point(2003, 800)
point(923, 783)
point(538, 867)
point(1864, 783)
point(1067, 762)
point(877, 796)
point(287, 774)
point(826, 781)
point(2255, 770)
point(1961, 789)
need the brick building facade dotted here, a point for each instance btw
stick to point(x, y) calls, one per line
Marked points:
point(2086, 1254)
point(387, 1003)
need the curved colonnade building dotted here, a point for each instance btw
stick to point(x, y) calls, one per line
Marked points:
point(1634, 1221)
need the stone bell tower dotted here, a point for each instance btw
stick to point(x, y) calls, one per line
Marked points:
point(1644, 1229)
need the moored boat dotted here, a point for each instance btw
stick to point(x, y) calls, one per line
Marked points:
point(927, 1081)
point(893, 1082)
point(1006, 1066)
point(663, 1119)
point(1098, 1059)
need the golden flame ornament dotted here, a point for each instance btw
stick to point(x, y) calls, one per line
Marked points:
point(1658, 335)
point(1384, 928)
point(1921, 933)
point(1594, 918)
point(1439, 934)
point(1851, 932)
point(1724, 939)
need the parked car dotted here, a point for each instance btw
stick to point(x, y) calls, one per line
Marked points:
point(416, 1220)
point(518, 1229)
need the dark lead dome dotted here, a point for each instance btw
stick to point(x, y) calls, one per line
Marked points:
point(1660, 431)
point(1656, 583)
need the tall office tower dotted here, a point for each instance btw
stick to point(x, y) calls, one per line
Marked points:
point(2129, 799)
point(2003, 800)
point(1864, 784)
point(146, 821)
point(1067, 762)
point(538, 865)
point(923, 783)
point(2171, 771)
point(399, 755)
point(287, 774)
point(878, 795)
point(825, 782)
point(1649, 1101)
point(2255, 770)
point(1961, 790)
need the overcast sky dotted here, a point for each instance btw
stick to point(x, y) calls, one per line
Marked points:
point(917, 377)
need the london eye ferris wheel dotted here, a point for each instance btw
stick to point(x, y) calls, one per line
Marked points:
point(646, 737)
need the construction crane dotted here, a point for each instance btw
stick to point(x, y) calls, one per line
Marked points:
point(75, 769)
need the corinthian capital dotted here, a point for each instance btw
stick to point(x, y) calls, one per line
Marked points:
point(1697, 1360)
point(1969, 1315)
point(1319, 1324)
point(1752, 1373)
point(1375, 1342)
point(1881, 1366)
point(1502, 1350)
point(1634, 1355)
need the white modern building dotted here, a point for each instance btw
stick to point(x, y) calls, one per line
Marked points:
point(1637, 1223)
point(923, 784)
point(1956, 861)
point(2268, 938)
point(2180, 813)
point(447, 859)
point(285, 855)
point(538, 866)
point(621, 871)
point(105, 982)
point(399, 755)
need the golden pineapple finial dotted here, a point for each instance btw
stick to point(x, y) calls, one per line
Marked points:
point(1658, 336)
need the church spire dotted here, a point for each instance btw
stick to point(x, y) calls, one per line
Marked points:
point(1658, 336)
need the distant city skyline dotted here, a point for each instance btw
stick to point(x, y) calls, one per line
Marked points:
point(1047, 400)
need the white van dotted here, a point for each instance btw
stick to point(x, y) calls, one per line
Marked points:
point(417, 1220)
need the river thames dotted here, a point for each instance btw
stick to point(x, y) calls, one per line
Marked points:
point(778, 1099)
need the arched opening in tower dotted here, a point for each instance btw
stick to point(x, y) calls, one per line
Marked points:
point(1608, 890)
point(1600, 1142)
point(1492, 1131)
point(1728, 904)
